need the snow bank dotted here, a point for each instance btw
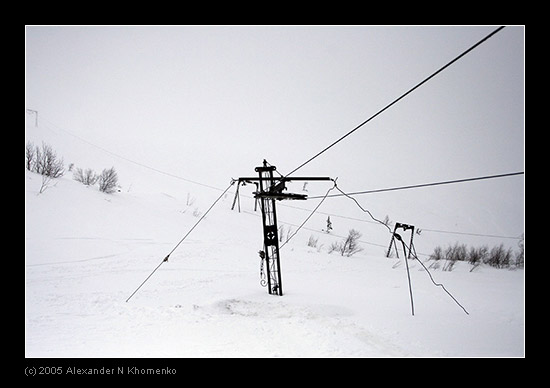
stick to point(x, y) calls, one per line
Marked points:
point(87, 251)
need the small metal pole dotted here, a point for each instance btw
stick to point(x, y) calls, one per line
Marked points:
point(35, 112)
point(409, 278)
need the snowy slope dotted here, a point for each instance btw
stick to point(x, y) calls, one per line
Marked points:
point(86, 252)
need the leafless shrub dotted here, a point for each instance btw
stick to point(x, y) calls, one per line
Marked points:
point(190, 200)
point(108, 180)
point(45, 183)
point(48, 163)
point(87, 177)
point(312, 242)
point(436, 257)
point(476, 256)
point(349, 246)
point(280, 232)
point(289, 234)
point(453, 254)
point(43, 160)
point(285, 234)
point(500, 257)
point(334, 247)
point(30, 155)
point(520, 257)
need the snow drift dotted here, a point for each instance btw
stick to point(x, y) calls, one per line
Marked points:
point(86, 251)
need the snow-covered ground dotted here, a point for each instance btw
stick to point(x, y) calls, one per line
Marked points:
point(87, 251)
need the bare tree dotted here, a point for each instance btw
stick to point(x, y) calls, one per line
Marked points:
point(30, 154)
point(47, 163)
point(87, 177)
point(453, 254)
point(281, 232)
point(352, 242)
point(387, 221)
point(45, 183)
point(477, 256)
point(499, 257)
point(329, 225)
point(437, 256)
point(108, 180)
point(312, 242)
point(44, 161)
point(349, 246)
point(520, 257)
point(190, 200)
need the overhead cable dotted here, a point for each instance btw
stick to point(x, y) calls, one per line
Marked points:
point(405, 257)
point(426, 184)
point(396, 100)
point(131, 160)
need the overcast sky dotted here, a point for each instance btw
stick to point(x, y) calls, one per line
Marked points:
point(209, 103)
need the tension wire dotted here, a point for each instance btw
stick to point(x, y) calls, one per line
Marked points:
point(183, 238)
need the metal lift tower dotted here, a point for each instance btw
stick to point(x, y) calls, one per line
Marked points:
point(269, 189)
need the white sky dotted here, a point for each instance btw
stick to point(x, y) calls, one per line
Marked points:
point(210, 103)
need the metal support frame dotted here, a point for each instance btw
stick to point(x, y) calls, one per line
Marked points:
point(394, 236)
point(269, 189)
point(270, 229)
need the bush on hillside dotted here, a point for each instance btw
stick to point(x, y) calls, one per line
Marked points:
point(43, 160)
point(349, 246)
point(87, 177)
point(108, 180)
point(498, 256)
